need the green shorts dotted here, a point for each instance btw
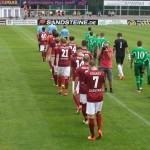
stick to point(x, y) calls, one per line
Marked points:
point(138, 69)
point(148, 79)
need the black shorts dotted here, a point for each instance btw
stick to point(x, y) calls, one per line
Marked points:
point(119, 60)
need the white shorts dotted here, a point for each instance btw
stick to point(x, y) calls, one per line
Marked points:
point(55, 70)
point(93, 108)
point(64, 71)
point(83, 98)
point(77, 88)
point(52, 58)
point(42, 48)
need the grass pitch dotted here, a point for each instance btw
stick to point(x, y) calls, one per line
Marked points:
point(34, 117)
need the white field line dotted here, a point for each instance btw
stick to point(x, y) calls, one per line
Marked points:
point(28, 36)
point(129, 110)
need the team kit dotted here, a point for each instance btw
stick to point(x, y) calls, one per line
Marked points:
point(88, 67)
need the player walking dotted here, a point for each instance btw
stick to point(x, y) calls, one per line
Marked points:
point(147, 64)
point(120, 45)
point(94, 80)
point(138, 55)
point(76, 62)
point(80, 76)
point(42, 38)
point(63, 65)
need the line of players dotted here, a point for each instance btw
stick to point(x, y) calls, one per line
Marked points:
point(67, 61)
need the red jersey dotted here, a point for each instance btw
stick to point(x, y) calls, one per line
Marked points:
point(94, 80)
point(64, 52)
point(76, 62)
point(86, 52)
point(73, 47)
point(80, 72)
point(52, 45)
point(42, 37)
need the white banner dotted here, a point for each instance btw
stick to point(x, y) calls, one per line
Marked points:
point(112, 22)
point(21, 22)
point(126, 3)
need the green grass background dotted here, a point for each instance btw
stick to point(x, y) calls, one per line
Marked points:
point(34, 117)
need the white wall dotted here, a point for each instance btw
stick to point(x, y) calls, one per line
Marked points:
point(7, 11)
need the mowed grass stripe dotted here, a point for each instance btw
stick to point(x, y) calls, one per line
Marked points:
point(22, 121)
point(66, 130)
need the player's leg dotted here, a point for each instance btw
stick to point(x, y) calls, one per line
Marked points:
point(76, 97)
point(91, 111)
point(49, 59)
point(148, 79)
point(141, 77)
point(137, 75)
point(110, 78)
point(99, 117)
point(66, 73)
point(119, 65)
point(59, 73)
point(83, 101)
point(55, 77)
point(43, 52)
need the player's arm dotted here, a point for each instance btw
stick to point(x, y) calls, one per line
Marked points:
point(57, 60)
point(131, 63)
point(75, 84)
point(109, 54)
point(128, 52)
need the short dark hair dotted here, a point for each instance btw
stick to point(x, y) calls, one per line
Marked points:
point(89, 28)
point(43, 28)
point(71, 38)
point(139, 43)
point(119, 34)
point(84, 42)
point(102, 34)
point(56, 34)
point(91, 33)
point(92, 63)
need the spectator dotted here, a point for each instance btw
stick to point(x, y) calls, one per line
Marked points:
point(99, 13)
point(74, 13)
point(105, 54)
point(78, 13)
point(51, 13)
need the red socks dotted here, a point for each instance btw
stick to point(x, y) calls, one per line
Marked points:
point(50, 64)
point(55, 79)
point(66, 83)
point(76, 99)
point(99, 121)
point(91, 126)
point(84, 112)
point(59, 81)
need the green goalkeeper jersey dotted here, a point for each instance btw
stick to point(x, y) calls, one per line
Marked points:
point(139, 55)
point(147, 63)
